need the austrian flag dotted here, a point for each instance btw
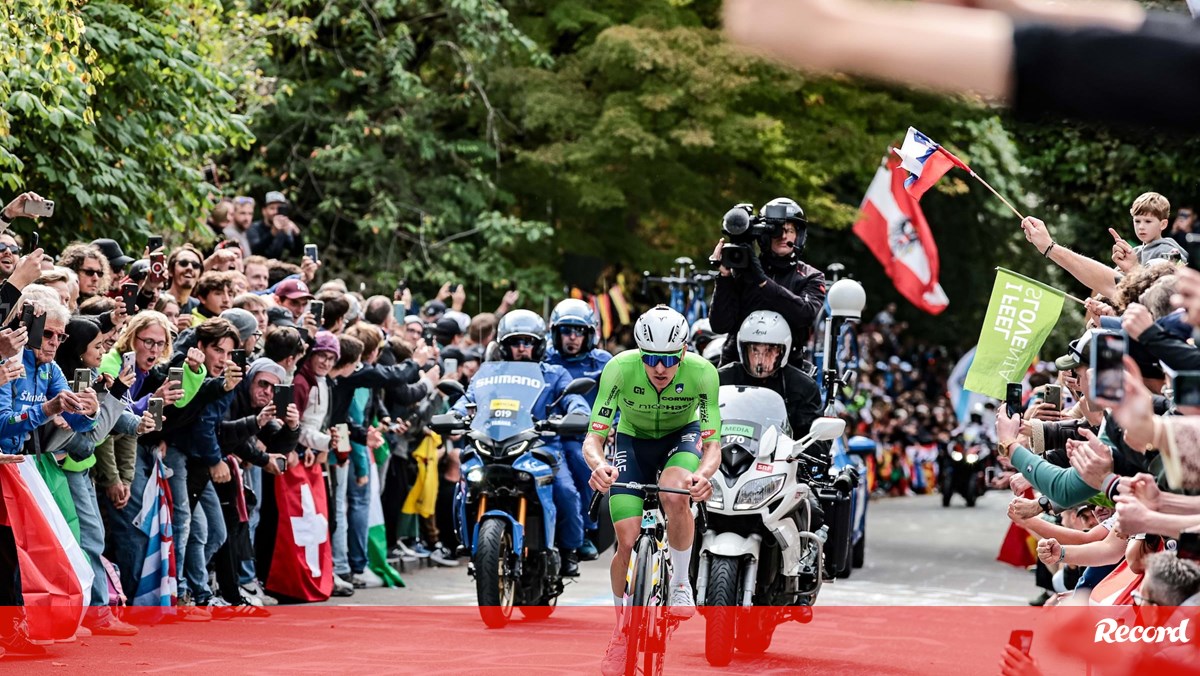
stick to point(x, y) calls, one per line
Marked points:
point(894, 229)
point(925, 162)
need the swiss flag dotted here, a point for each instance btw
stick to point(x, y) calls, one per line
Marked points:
point(894, 229)
point(302, 567)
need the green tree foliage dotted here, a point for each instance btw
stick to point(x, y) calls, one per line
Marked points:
point(383, 134)
point(113, 108)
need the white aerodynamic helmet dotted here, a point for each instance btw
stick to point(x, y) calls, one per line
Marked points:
point(661, 330)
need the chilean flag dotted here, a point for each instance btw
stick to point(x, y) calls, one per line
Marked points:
point(894, 229)
point(925, 161)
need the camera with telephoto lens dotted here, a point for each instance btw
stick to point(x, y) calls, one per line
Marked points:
point(743, 227)
point(1053, 436)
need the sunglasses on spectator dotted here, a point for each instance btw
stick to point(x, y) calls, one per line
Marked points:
point(11, 248)
point(264, 384)
point(53, 335)
point(187, 263)
point(667, 360)
point(572, 330)
point(91, 272)
point(242, 199)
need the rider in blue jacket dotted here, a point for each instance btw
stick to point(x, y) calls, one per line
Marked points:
point(522, 337)
point(574, 340)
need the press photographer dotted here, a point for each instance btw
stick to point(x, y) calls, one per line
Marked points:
point(775, 279)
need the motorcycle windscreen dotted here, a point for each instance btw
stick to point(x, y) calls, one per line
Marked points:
point(505, 392)
point(747, 412)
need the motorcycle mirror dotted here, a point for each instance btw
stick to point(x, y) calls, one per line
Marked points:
point(768, 441)
point(451, 388)
point(827, 429)
point(580, 386)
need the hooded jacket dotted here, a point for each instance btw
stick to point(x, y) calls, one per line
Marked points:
point(21, 403)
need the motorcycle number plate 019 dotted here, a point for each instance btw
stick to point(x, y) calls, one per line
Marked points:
point(505, 408)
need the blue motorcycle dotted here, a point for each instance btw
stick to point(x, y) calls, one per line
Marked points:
point(504, 506)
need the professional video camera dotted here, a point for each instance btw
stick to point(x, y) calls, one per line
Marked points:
point(743, 228)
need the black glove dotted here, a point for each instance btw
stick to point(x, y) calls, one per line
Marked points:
point(754, 272)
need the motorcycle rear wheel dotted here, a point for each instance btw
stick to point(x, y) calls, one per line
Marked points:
point(494, 587)
point(721, 616)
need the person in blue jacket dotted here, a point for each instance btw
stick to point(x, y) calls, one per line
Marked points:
point(574, 347)
point(42, 392)
point(522, 337)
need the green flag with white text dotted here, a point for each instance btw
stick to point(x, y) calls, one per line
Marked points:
point(1019, 318)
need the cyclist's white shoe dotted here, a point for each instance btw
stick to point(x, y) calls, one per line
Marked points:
point(682, 604)
point(613, 663)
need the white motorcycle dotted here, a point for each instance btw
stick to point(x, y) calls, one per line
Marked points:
point(760, 548)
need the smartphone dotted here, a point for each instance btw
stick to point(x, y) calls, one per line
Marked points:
point(83, 379)
point(281, 463)
point(310, 252)
point(36, 326)
point(451, 365)
point(44, 208)
point(1021, 639)
point(1110, 323)
point(1107, 352)
point(154, 243)
point(990, 474)
point(35, 240)
point(158, 264)
point(128, 361)
point(156, 410)
point(1188, 546)
point(401, 286)
point(316, 308)
point(283, 397)
point(1191, 244)
point(455, 287)
point(129, 293)
point(239, 357)
point(429, 334)
point(175, 376)
point(399, 311)
point(1053, 396)
point(1013, 397)
point(512, 286)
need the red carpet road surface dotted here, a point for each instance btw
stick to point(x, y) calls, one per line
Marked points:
point(452, 640)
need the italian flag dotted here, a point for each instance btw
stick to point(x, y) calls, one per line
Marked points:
point(377, 544)
point(56, 579)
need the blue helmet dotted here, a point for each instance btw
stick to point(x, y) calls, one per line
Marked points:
point(573, 312)
point(521, 324)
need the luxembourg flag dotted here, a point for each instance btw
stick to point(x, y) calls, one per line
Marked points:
point(925, 162)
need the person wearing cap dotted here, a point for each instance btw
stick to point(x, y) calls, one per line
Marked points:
point(90, 266)
point(433, 310)
point(276, 235)
point(448, 333)
point(246, 325)
point(117, 260)
point(291, 298)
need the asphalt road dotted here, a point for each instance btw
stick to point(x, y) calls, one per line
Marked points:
point(918, 554)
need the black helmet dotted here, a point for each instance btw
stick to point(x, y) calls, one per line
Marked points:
point(521, 324)
point(792, 213)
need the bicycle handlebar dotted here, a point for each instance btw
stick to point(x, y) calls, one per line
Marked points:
point(594, 508)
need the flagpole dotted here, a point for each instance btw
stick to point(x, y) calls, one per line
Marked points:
point(979, 178)
point(1043, 284)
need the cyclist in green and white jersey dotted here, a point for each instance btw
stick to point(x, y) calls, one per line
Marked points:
point(669, 423)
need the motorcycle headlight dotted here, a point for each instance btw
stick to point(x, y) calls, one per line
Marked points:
point(756, 493)
point(972, 457)
point(483, 449)
point(717, 499)
point(516, 449)
point(956, 456)
point(475, 476)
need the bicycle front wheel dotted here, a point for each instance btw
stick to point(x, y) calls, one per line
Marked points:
point(640, 603)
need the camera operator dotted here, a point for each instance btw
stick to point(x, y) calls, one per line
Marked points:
point(776, 280)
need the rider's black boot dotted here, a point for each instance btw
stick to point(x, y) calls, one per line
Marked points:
point(570, 563)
